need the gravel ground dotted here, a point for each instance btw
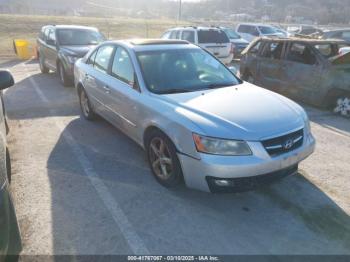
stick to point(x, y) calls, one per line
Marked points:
point(85, 188)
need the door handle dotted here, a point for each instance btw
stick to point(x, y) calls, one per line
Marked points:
point(107, 89)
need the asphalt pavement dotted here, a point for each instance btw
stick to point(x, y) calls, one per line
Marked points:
point(85, 188)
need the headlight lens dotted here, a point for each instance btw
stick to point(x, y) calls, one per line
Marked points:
point(72, 59)
point(216, 146)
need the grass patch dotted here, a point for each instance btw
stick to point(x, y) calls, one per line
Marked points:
point(28, 27)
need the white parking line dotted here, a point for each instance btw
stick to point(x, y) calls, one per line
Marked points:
point(134, 241)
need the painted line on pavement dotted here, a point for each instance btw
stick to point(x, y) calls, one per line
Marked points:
point(134, 241)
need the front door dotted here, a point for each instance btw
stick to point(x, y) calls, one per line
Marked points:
point(270, 66)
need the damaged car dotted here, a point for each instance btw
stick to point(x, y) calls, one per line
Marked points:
point(309, 70)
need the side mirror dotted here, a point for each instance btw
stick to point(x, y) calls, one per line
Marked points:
point(6, 80)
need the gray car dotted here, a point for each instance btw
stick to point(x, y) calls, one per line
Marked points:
point(195, 119)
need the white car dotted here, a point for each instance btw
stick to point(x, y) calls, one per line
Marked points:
point(251, 31)
point(212, 39)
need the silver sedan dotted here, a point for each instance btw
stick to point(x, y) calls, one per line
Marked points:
point(198, 123)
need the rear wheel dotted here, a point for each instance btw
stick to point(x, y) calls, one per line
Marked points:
point(42, 65)
point(163, 160)
point(342, 106)
point(85, 106)
point(63, 75)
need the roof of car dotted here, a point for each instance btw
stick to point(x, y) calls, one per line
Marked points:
point(307, 40)
point(74, 27)
point(256, 24)
point(196, 28)
point(157, 42)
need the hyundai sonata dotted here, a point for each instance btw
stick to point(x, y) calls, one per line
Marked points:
point(196, 120)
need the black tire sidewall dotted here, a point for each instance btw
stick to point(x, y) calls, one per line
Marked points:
point(177, 177)
point(91, 116)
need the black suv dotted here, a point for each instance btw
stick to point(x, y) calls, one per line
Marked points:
point(59, 46)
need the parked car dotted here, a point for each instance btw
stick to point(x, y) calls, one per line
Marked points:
point(195, 119)
point(10, 240)
point(210, 38)
point(59, 46)
point(342, 34)
point(251, 31)
point(305, 69)
point(238, 43)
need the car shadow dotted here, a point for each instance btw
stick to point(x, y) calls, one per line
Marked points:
point(11, 62)
point(19, 98)
point(291, 216)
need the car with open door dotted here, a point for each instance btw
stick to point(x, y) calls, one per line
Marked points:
point(310, 70)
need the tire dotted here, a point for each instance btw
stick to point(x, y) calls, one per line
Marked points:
point(341, 105)
point(85, 106)
point(163, 160)
point(65, 81)
point(43, 68)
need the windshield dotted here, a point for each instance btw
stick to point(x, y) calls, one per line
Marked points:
point(266, 30)
point(183, 70)
point(212, 36)
point(231, 34)
point(79, 37)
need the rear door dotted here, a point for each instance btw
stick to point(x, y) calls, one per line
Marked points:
point(215, 41)
point(270, 65)
point(302, 71)
point(96, 80)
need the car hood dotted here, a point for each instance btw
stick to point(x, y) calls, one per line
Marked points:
point(242, 112)
point(78, 51)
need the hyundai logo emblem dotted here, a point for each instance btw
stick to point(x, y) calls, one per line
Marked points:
point(288, 144)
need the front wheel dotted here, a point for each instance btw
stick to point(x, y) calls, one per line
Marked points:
point(85, 106)
point(163, 160)
point(63, 75)
point(342, 106)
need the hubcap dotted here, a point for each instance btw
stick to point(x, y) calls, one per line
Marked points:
point(84, 103)
point(343, 106)
point(160, 159)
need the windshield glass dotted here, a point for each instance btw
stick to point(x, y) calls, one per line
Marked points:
point(212, 36)
point(266, 30)
point(183, 70)
point(79, 37)
point(232, 34)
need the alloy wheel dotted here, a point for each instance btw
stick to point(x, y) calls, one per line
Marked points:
point(160, 158)
point(342, 106)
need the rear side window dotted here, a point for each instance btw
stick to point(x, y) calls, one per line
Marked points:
point(188, 36)
point(273, 50)
point(301, 53)
point(103, 57)
point(175, 34)
point(122, 68)
point(212, 36)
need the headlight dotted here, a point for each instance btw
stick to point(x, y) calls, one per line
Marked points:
point(216, 146)
point(72, 59)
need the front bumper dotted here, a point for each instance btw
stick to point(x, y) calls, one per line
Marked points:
point(197, 173)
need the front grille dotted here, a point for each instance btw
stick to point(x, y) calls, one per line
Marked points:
point(284, 144)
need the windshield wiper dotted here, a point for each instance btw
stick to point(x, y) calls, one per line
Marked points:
point(215, 86)
point(174, 91)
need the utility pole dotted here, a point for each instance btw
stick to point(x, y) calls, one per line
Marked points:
point(180, 10)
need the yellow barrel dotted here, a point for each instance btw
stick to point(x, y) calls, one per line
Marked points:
point(22, 49)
